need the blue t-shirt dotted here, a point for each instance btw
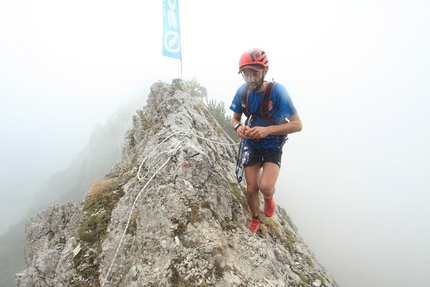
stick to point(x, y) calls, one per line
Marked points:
point(283, 107)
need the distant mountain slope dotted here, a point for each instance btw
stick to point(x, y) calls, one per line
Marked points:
point(94, 161)
point(12, 254)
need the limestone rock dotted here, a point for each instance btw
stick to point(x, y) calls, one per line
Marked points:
point(170, 213)
point(50, 241)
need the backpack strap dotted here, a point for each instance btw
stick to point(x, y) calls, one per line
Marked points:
point(264, 103)
point(244, 102)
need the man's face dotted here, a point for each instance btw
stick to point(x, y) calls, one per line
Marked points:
point(253, 78)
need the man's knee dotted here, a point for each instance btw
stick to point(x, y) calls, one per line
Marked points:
point(252, 190)
point(267, 189)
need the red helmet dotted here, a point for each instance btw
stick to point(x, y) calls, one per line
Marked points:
point(255, 59)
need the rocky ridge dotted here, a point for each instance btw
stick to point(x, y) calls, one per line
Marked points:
point(170, 213)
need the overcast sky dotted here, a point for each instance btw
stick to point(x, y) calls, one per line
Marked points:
point(355, 181)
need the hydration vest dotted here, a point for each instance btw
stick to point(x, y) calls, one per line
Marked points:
point(264, 112)
point(264, 103)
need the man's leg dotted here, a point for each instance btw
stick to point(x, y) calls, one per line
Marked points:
point(252, 174)
point(267, 186)
point(269, 178)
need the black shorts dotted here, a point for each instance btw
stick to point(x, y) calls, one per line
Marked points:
point(264, 155)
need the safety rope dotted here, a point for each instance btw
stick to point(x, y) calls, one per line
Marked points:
point(143, 161)
point(171, 152)
point(221, 143)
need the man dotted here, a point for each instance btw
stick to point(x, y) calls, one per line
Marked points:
point(204, 93)
point(264, 132)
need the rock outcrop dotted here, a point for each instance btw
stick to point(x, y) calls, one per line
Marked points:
point(170, 213)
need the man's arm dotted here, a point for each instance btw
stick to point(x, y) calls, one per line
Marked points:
point(241, 129)
point(235, 119)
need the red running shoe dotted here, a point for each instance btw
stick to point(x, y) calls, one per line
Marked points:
point(254, 225)
point(269, 206)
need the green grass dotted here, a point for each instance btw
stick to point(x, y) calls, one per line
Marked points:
point(98, 206)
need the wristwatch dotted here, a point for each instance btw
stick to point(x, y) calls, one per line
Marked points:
point(237, 126)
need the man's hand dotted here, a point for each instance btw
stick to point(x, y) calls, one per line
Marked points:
point(246, 132)
point(241, 132)
point(257, 132)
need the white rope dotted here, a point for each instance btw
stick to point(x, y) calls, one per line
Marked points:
point(143, 161)
point(173, 151)
point(150, 164)
point(221, 143)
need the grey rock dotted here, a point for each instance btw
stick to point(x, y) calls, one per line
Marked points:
point(180, 219)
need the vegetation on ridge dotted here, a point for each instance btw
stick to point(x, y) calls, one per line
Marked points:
point(98, 206)
point(217, 110)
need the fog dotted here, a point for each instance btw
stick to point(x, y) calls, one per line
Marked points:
point(354, 181)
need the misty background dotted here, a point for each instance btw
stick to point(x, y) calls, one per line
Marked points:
point(355, 181)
